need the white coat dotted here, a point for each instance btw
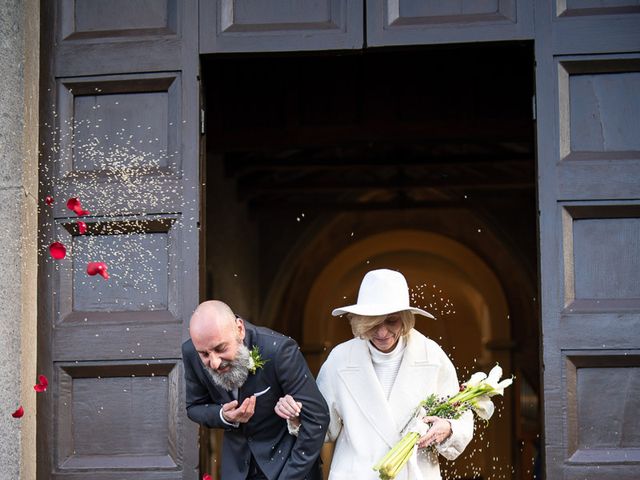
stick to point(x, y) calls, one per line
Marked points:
point(365, 425)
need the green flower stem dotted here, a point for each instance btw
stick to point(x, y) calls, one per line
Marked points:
point(397, 457)
point(469, 394)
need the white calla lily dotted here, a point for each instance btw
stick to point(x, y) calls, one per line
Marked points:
point(475, 379)
point(494, 375)
point(499, 388)
point(483, 407)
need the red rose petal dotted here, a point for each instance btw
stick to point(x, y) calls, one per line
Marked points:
point(75, 206)
point(57, 250)
point(103, 271)
point(73, 203)
point(42, 384)
point(206, 476)
point(48, 200)
point(18, 413)
point(94, 268)
point(82, 228)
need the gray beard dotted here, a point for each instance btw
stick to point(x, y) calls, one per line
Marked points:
point(238, 370)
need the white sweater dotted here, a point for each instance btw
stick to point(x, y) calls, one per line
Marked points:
point(386, 365)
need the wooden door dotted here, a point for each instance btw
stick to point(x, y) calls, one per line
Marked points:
point(121, 133)
point(280, 25)
point(588, 107)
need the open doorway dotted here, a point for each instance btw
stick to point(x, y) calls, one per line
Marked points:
point(320, 167)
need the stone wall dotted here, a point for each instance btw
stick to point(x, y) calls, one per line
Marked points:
point(19, 64)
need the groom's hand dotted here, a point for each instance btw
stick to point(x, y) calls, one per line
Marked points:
point(233, 413)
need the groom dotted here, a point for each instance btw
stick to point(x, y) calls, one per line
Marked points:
point(229, 387)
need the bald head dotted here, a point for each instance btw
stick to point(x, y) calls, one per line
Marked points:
point(210, 314)
point(215, 331)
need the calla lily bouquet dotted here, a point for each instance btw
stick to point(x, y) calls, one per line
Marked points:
point(475, 394)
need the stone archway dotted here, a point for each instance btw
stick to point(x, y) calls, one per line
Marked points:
point(426, 259)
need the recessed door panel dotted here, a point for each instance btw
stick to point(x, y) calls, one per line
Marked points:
point(417, 22)
point(282, 25)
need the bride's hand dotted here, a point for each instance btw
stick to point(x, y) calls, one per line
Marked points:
point(288, 408)
point(440, 430)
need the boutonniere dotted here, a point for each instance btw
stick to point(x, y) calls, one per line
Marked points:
point(255, 360)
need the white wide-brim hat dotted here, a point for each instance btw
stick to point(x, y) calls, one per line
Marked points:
point(382, 292)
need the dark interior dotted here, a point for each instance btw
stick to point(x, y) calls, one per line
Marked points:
point(375, 129)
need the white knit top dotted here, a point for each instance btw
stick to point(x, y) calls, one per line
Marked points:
point(386, 365)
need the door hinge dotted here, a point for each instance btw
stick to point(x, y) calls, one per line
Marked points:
point(202, 121)
point(534, 108)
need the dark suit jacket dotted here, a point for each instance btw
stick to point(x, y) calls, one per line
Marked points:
point(280, 455)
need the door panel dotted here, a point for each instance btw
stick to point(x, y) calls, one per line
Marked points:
point(91, 400)
point(280, 25)
point(583, 30)
point(416, 22)
point(589, 201)
point(116, 36)
point(598, 126)
point(88, 18)
point(119, 140)
point(123, 110)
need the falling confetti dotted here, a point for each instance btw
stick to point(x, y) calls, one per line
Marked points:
point(48, 200)
point(100, 268)
point(82, 228)
point(134, 159)
point(57, 250)
point(431, 298)
point(42, 384)
point(18, 413)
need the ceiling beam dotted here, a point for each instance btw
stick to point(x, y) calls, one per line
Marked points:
point(273, 138)
point(250, 165)
point(319, 205)
point(249, 190)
